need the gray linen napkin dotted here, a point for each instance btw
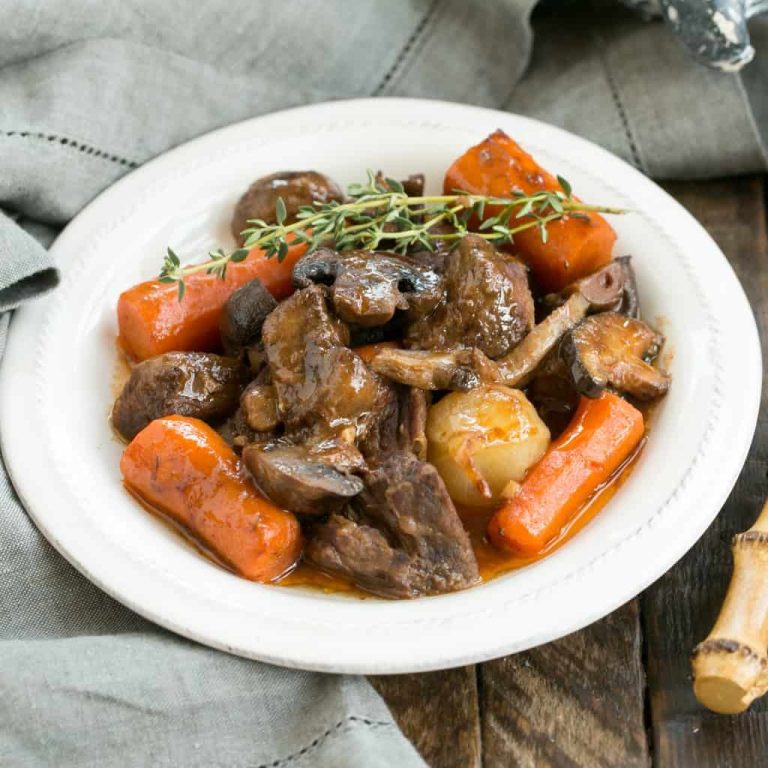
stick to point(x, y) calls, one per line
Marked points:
point(89, 91)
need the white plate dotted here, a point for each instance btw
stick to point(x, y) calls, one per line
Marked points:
point(55, 395)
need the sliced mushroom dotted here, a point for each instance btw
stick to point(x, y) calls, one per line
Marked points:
point(308, 479)
point(610, 289)
point(456, 369)
point(610, 349)
point(552, 393)
point(516, 368)
point(243, 316)
point(368, 286)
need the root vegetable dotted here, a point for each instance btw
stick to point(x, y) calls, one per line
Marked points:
point(601, 436)
point(482, 440)
point(183, 468)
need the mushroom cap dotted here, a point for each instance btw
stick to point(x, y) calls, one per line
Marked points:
point(367, 287)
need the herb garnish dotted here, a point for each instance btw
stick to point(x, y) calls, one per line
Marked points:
point(380, 212)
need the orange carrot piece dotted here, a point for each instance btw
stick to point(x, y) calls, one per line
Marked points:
point(151, 319)
point(601, 436)
point(183, 468)
point(574, 248)
point(368, 351)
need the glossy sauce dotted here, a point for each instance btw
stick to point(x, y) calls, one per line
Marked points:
point(121, 372)
point(491, 562)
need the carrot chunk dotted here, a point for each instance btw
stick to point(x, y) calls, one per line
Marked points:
point(183, 468)
point(575, 247)
point(151, 319)
point(601, 436)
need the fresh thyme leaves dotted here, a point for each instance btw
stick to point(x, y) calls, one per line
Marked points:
point(379, 214)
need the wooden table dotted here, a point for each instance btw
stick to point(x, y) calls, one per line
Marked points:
point(618, 693)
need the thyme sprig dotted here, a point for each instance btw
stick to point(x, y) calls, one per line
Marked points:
point(380, 214)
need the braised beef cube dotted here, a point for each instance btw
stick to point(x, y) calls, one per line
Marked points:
point(487, 304)
point(319, 381)
point(406, 539)
point(400, 424)
point(237, 432)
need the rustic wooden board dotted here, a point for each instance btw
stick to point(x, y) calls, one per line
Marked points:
point(575, 702)
point(438, 712)
point(681, 607)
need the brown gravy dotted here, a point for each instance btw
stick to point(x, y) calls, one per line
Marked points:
point(492, 562)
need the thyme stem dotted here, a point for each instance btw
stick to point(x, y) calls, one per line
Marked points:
point(382, 212)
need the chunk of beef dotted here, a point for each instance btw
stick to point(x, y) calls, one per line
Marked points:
point(195, 384)
point(400, 424)
point(243, 316)
point(368, 286)
point(406, 539)
point(319, 381)
point(310, 479)
point(441, 247)
point(487, 304)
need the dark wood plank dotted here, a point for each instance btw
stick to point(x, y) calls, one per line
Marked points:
point(681, 607)
point(575, 702)
point(438, 712)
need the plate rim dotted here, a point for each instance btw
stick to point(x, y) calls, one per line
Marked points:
point(169, 157)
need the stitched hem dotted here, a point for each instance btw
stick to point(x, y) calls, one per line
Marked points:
point(406, 49)
point(86, 149)
point(321, 738)
point(618, 103)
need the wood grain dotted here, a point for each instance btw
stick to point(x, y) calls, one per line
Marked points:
point(578, 702)
point(575, 702)
point(438, 712)
point(680, 608)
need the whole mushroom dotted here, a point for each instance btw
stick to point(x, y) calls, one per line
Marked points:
point(367, 287)
point(296, 188)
